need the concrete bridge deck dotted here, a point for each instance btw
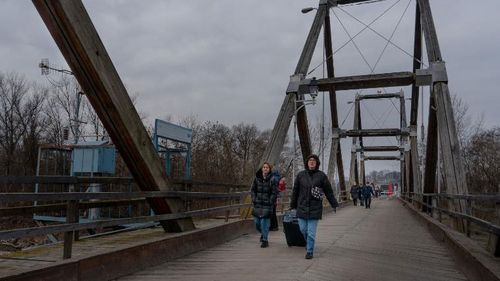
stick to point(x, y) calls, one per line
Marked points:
point(382, 243)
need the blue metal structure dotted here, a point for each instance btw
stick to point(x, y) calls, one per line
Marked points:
point(165, 131)
point(93, 158)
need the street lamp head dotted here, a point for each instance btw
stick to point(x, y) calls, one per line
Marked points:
point(307, 10)
point(313, 88)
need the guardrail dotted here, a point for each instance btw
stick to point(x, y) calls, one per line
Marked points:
point(72, 202)
point(432, 204)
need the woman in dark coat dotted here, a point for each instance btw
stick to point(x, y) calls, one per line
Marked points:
point(264, 192)
point(307, 197)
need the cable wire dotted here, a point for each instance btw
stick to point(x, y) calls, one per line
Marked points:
point(390, 42)
point(359, 32)
point(372, 69)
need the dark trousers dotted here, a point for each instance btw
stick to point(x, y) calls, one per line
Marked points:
point(355, 201)
point(368, 202)
point(274, 220)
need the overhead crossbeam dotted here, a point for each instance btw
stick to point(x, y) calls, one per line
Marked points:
point(381, 96)
point(395, 79)
point(382, 158)
point(374, 133)
point(380, 148)
point(347, 2)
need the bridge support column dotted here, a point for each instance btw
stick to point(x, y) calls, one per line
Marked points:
point(449, 146)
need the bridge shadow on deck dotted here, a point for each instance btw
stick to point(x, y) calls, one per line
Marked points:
point(382, 243)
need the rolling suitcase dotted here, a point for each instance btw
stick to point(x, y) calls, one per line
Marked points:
point(292, 230)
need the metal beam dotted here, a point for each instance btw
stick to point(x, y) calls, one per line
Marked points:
point(380, 96)
point(79, 42)
point(403, 141)
point(282, 124)
point(394, 79)
point(353, 176)
point(381, 148)
point(431, 151)
point(374, 133)
point(335, 160)
point(348, 2)
point(379, 158)
point(415, 175)
point(360, 139)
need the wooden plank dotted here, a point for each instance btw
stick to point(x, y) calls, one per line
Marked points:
point(449, 145)
point(369, 81)
point(75, 35)
point(335, 160)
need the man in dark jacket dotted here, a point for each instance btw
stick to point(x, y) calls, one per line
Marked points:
point(354, 194)
point(307, 197)
point(360, 196)
point(367, 195)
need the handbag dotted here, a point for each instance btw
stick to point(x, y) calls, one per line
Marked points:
point(317, 193)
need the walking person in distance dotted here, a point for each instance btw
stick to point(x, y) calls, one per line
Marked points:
point(367, 195)
point(354, 194)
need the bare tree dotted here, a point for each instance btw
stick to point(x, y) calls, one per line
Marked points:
point(34, 123)
point(13, 88)
point(483, 157)
point(244, 137)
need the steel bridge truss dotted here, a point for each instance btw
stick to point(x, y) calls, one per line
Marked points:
point(440, 124)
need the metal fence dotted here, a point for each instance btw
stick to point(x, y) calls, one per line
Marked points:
point(479, 214)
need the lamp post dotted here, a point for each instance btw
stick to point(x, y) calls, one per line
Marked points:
point(304, 102)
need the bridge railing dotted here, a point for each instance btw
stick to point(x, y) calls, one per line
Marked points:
point(70, 204)
point(481, 214)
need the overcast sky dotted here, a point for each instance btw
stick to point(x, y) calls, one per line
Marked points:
point(230, 61)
